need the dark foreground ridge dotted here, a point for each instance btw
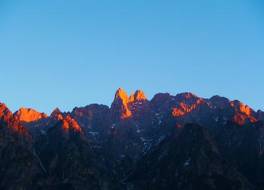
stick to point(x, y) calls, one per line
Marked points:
point(180, 142)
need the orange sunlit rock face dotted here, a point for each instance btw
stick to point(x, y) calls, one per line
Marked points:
point(121, 95)
point(122, 100)
point(137, 96)
point(127, 102)
point(5, 113)
point(29, 115)
point(245, 109)
point(124, 104)
point(19, 129)
point(243, 113)
point(126, 114)
point(241, 107)
point(184, 108)
point(176, 112)
point(12, 122)
point(242, 119)
point(69, 123)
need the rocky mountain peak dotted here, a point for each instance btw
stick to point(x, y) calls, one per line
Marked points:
point(68, 123)
point(29, 115)
point(12, 123)
point(5, 113)
point(137, 96)
point(121, 95)
point(56, 114)
point(119, 106)
point(122, 106)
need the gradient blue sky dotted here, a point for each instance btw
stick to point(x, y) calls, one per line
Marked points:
point(57, 53)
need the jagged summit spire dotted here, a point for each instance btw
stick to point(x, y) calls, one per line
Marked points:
point(139, 95)
point(121, 106)
point(121, 94)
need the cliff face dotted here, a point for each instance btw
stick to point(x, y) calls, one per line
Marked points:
point(124, 106)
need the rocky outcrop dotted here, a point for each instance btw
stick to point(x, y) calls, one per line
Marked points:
point(29, 115)
point(137, 96)
point(119, 107)
point(242, 113)
point(70, 124)
point(123, 106)
point(5, 114)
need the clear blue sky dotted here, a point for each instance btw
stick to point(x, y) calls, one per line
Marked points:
point(72, 53)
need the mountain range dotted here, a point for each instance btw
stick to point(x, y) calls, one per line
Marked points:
point(181, 142)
